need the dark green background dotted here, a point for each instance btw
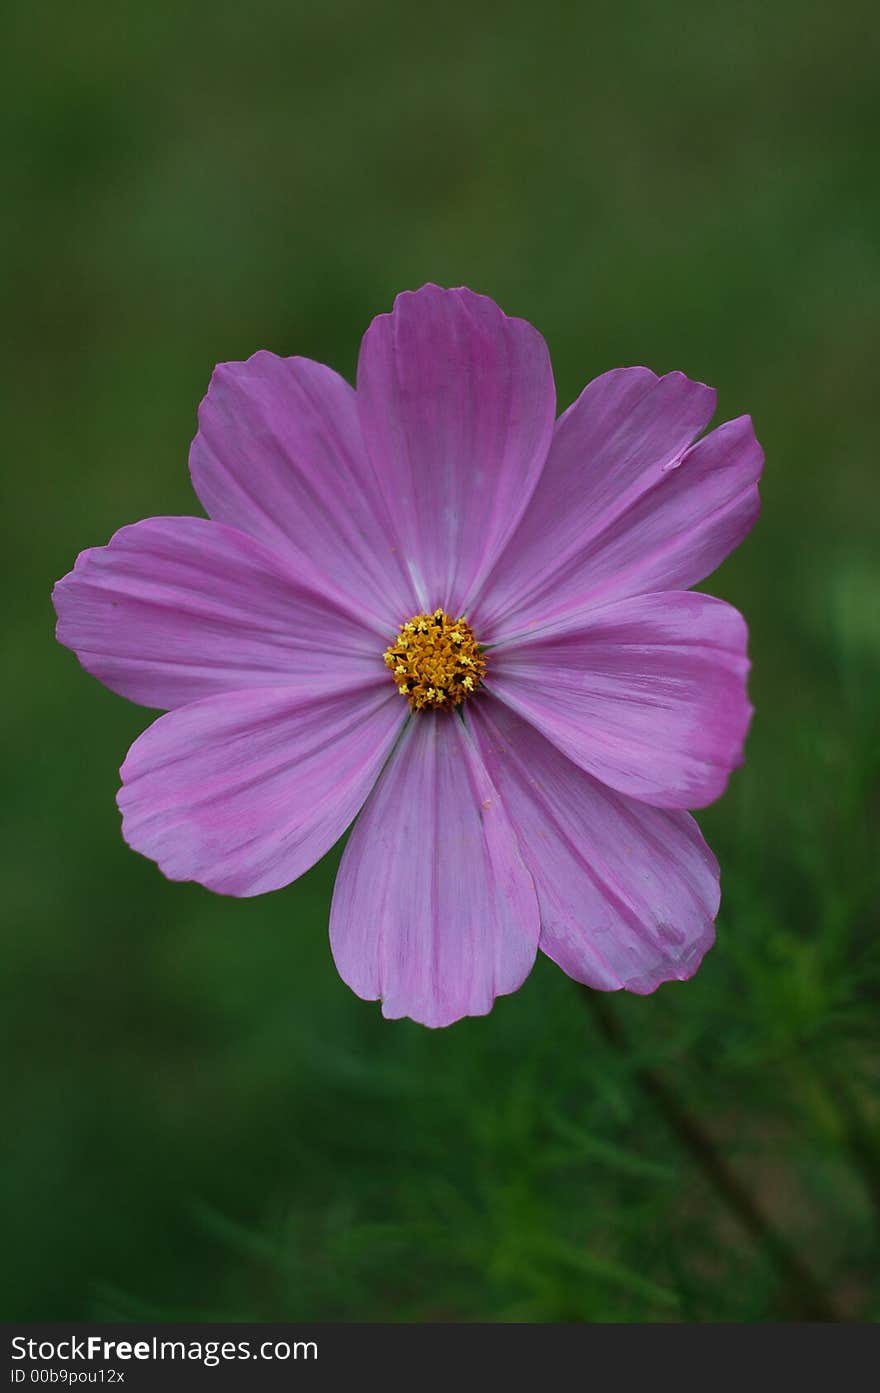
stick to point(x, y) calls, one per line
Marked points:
point(199, 1118)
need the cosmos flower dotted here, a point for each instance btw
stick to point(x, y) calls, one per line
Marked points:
point(429, 606)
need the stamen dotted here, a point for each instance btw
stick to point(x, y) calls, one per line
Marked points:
point(436, 661)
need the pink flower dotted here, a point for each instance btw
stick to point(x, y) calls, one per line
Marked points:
point(520, 582)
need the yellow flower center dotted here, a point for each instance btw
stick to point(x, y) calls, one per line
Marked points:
point(436, 661)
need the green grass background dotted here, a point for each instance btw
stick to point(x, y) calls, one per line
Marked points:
point(199, 1118)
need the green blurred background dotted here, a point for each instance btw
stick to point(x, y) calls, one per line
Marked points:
point(199, 1118)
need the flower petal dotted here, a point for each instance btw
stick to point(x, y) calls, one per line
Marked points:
point(627, 893)
point(244, 792)
point(648, 694)
point(625, 433)
point(433, 911)
point(176, 609)
point(457, 404)
point(279, 454)
point(677, 532)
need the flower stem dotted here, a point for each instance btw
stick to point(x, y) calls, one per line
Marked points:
point(805, 1297)
point(860, 1135)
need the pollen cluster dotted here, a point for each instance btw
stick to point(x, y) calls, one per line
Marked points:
point(436, 661)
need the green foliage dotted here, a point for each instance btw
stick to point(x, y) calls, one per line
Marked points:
point(199, 1117)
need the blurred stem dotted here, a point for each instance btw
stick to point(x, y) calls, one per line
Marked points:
point(806, 1298)
point(859, 1135)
